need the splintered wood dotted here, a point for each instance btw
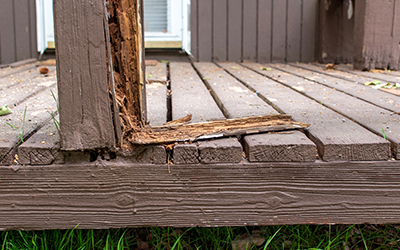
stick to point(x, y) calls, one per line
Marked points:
point(126, 50)
point(229, 127)
point(125, 34)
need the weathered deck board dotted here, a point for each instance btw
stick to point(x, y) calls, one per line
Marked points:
point(336, 140)
point(227, 150)
point(19, 77)
point(235, 99)
point(113, 195)
point(43, 148)
point(279, 147)
point(28, 87)
point(156, 98)
point(342, 74)
point(157, 73)
point(37, 115)
point(368, 115)
point(14, 70)
point(190, 95)
point(351, 87)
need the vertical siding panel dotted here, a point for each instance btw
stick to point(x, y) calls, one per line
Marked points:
point(220, 30)
point(234, 30)
point(264, 31)
point(7, 37)
point(250, 30)
point(395, 62)
point(293, 31)
point(205, 30)
point(347, 37)
point(279, 30)
point(32, 29)
point(193, 29)
point(309, 27)
point(22, 36)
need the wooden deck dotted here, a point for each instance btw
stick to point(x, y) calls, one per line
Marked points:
point(343, 169)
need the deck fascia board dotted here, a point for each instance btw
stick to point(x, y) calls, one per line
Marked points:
point(106, 194)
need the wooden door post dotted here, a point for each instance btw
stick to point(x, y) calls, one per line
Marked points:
point(90, 110)
point(377, 34)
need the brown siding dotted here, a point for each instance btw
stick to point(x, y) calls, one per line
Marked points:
point(336, 33)
point(254, 30)
point(377, 34)
point(17, 30)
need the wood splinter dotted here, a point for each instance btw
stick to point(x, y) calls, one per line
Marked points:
point(190, 132)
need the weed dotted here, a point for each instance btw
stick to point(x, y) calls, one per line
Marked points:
point(22, 132)
point(56, 122)
point(384, 135)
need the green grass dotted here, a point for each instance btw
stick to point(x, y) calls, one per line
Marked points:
point(21, 131)
point(276, 237)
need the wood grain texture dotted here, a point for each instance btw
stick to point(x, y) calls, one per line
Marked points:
point(113, 195)
point(205, 30)
point(125, 24)
point(309, 28)
point(167, 133)
point(190, 95)
point(337, 137)
point(43, 148)
point(220, 31)
point(279, 26)
point(13, 78)
point(157, 110)
point(235, 30)
point(157, 73)
point(227, 150)
point(9, 69)
point(25, 86)
point(385, 77)
point(37, 115)
point(294, 25)
point(376, 26)
point(352, 84)
point(370, 116)
point(264, 33)
point(85, 112)
point(186, 154)
point(235, 99)
point(279, 147)
point(250, 13)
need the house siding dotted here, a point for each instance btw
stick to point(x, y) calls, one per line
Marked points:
point(254, 30)
point(17, 30)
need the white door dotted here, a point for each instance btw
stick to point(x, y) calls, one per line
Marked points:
point(45, 25)
point(166, 24)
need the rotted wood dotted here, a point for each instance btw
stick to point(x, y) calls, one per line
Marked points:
point(229, 127)
point(127, 56)
point(106, 194)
